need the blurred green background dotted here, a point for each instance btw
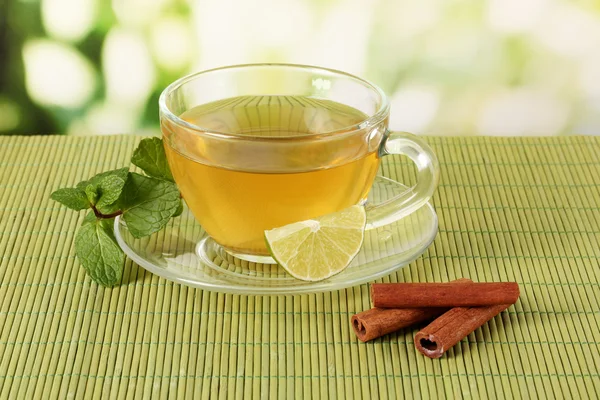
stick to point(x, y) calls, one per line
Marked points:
point(451, 67)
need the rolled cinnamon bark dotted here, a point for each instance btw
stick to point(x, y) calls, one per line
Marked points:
point(453, 326)
point(448, 295)
point(376, 322)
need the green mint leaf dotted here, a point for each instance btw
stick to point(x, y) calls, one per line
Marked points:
point(91, 192)
point(179, 209)
point(110, 190)
point(89, 218)
point(148, 204)
point(104, 189)
point(73, 198)
point(96, 179)
point(119, 173)
point(98, 252)
point(151, 158)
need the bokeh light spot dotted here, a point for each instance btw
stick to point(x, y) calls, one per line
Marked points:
point(413, 108)
point(569, 31)
point(137, 13)
point(523, 112)
point(513, 16)
point(128, 67)
point(57, 74)
point(68, 19)
point(172, 43)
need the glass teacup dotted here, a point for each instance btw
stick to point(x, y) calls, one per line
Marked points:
point(254, 147)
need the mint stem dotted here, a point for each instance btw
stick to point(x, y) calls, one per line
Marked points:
point(105, 216)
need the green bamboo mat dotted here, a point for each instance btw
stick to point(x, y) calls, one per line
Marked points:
point(526, 210)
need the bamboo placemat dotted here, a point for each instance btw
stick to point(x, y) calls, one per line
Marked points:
point(526, 210)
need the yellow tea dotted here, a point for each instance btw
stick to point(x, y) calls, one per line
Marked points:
point(235, 206)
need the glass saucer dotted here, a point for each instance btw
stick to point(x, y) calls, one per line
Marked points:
point(183, 253)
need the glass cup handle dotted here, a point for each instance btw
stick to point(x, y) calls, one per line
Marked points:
point(428, 173)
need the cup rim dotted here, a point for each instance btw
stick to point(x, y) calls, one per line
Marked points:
point(371, 121)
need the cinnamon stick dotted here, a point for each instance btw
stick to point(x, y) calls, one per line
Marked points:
point(448, 295)
point(377, 322)
point(453, 326)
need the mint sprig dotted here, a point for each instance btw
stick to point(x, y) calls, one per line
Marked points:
point(146, 203)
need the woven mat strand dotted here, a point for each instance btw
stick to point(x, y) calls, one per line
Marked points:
point(526, 210)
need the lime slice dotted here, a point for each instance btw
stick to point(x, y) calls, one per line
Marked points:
point(318, 248)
